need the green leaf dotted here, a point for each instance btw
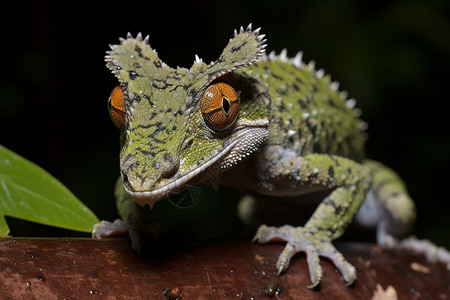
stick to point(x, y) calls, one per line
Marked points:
point(30, 193)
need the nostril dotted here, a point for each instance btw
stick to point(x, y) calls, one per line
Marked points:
point(168, 165)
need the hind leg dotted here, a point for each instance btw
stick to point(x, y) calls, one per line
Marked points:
point(389, 209)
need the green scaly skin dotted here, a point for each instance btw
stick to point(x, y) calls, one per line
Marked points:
point(295, 133)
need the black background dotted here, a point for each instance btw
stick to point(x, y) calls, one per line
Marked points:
point(392, 56)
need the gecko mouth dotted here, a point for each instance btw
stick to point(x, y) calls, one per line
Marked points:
point(178, 184)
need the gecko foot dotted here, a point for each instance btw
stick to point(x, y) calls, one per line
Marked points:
point(298, 239)
point(105, 229)
point(119, 227)
point(432, 252)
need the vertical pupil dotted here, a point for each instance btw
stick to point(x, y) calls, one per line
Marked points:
point(226, 105)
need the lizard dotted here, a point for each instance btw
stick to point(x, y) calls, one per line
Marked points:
point(269, 124)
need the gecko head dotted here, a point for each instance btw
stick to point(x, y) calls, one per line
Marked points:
point(184, 126)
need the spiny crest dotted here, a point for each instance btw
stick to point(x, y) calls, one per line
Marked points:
point(134, 57)
point(244, 48)
point(259, 38)
point(297, 62)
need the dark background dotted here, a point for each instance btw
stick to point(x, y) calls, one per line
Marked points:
point(392, 56)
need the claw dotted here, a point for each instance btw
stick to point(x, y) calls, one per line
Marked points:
point(312, 286)
point(280, 270)
point(349, 283)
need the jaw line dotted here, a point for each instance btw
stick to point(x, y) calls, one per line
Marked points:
point(153, 196)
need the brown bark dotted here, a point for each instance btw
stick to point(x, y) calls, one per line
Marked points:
point(108, 268)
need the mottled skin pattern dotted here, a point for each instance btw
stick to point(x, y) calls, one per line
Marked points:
point(295, 133)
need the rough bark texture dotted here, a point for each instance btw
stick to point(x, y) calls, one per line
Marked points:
point(109, 269)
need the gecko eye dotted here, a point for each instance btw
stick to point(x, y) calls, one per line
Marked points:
point(219, 106)
point(116, 106)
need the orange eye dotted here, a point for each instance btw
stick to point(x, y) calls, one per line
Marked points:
point(116, 106)
point(220, 106)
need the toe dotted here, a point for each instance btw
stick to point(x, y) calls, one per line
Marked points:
point(345, 268)
point(269, 233)
point(312, 259)
point(315, 270)
point(285, 258)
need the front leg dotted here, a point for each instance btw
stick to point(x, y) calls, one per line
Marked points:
point(349, 182)
point(132, 220)
point(132, 214)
